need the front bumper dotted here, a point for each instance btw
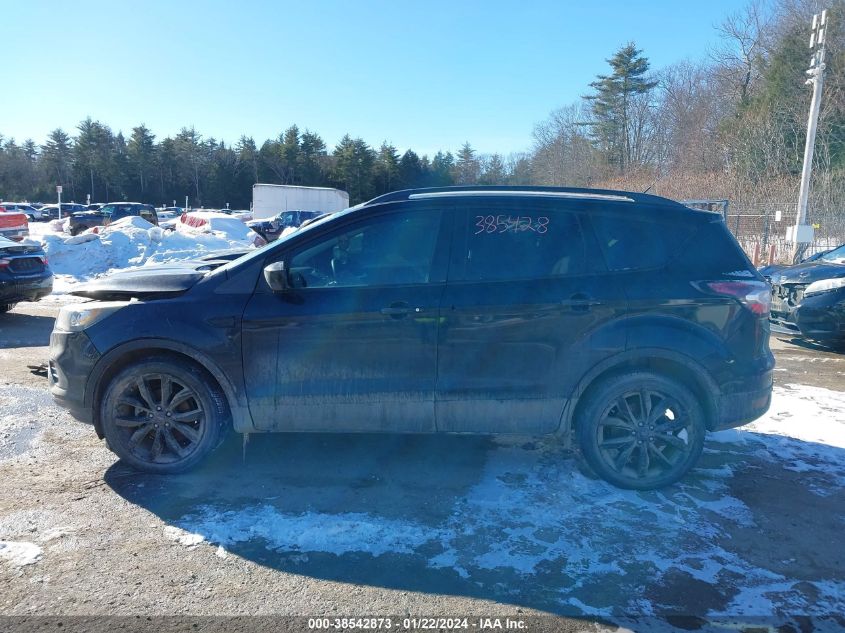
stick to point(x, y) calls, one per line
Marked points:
point(18, 288)
point(72, 358)
point(818, 317)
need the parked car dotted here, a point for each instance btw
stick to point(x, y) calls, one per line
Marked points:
point(14, 225)
point(167, 219)
point(808, 299)
point(52, 210)
point(24, 273)
point(114, 211)
point(626, 321)
point(272, 228)
point(206, 221)
point(32, 214)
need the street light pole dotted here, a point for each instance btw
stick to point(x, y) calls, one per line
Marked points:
point(801, 234)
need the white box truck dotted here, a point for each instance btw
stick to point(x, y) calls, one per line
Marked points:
point(269, 200)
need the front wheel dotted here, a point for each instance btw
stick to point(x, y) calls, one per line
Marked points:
point(163, 415)
point(641, 431)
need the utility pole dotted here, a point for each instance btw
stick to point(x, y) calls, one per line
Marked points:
point(802, 234)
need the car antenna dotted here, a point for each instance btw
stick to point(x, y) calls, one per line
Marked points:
point(649, 187)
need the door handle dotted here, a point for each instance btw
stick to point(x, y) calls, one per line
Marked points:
point(581, 302)
point(395, 311)
point(399, 310)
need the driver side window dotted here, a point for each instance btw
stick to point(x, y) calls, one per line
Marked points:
point(395, 249)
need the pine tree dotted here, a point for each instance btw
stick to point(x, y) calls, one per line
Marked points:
point(140, 152)
point(410, 171)
point(613, 100)
point(386, 176)
point(353, 169)
point(467, 168)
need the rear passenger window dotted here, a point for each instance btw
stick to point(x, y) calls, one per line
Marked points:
point(523, 245)
point(634, 243)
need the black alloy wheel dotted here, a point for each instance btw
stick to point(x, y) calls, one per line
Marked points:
point(641, 431)
point(162, 415)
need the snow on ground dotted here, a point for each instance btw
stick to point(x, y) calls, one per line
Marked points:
point(20, 553)
point(531, 514)
point(130, 242)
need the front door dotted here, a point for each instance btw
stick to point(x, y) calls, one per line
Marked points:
point(352, 345)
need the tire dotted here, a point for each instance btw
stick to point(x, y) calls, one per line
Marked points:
point(138, 413)
point(5, 307)
point(619, 430)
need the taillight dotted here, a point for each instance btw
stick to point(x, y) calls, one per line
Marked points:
point(4, 263)
point(44, 259)
point(754, 295)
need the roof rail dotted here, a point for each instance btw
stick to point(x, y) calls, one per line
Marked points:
point(522, 192)
point(563, 192)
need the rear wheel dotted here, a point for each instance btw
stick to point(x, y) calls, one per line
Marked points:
point(163, 415)
point(641, 431)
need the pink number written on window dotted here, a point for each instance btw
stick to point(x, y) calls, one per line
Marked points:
point(510, 224)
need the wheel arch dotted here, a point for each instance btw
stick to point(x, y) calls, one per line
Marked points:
point(116, 359)
point(660, 361)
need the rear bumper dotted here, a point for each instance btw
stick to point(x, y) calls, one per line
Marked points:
point(14, 289)
point(736, 409)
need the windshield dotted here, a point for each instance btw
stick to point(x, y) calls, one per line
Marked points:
point(836, 256)
point(261, 252)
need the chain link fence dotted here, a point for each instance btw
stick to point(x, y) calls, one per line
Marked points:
point(761, 228)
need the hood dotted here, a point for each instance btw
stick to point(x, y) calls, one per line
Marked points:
point(87, 214)
point(147, 282)
point(805, 273)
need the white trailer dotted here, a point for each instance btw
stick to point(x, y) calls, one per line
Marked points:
point(269, 200)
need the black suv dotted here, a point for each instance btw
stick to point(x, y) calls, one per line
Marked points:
point(111, 213)
point(627, 321)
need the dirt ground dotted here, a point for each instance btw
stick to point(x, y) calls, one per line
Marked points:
point(421, 526)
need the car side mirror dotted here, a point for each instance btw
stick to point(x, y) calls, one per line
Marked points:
point(276, 276)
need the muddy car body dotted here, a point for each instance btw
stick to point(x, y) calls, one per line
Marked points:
point(603, 317)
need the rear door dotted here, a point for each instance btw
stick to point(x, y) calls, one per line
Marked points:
point(527, 291)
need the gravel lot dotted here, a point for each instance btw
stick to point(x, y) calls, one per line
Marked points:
point(355, 525)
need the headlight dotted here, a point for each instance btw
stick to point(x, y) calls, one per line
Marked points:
point(80, 316)
point(824, 285)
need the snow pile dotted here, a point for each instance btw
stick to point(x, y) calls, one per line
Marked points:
point(204, 222)
point(133, 241)
point(20, 553)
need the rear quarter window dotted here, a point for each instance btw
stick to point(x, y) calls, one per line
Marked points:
point(713, 252)
point(639, 243)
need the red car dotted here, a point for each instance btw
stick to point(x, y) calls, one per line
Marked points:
point(13, 225)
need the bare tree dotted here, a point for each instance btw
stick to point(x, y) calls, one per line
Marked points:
point(740, 59)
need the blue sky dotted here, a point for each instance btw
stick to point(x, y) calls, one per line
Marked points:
point(428, 74)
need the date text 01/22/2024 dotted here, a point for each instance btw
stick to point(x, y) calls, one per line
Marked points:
point(416, 623)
